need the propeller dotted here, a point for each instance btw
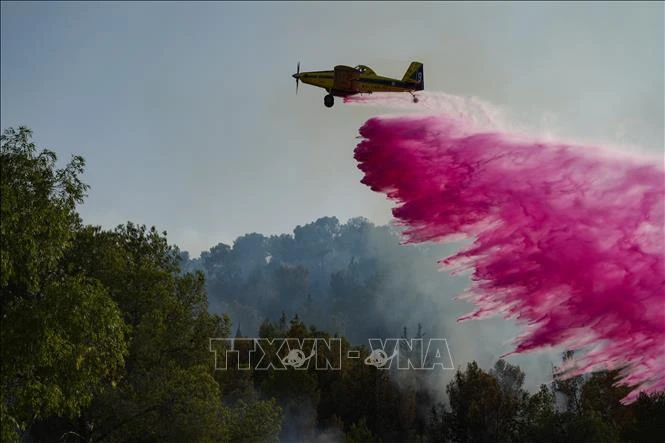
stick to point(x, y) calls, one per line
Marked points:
point(297, 77)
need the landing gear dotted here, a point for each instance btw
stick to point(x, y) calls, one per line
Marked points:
point(329, 100)
point(415, 99)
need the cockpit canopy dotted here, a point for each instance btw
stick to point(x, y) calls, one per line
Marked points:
point(364, 69)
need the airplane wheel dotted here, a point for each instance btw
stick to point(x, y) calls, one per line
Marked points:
point(329, 100)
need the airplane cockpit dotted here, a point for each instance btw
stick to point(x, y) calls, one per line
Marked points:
point(364, 69)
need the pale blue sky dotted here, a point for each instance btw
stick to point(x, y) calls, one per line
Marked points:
point(187, 115)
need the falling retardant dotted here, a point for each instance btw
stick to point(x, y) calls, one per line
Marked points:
point(567, 239)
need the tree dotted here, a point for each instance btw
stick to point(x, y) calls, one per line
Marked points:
point(360, 433)
point(103, 337)
point(648, 413)
point(486, 406)
point(257, 422)
point(570, 388)
point(474, 399)
point(38, 213)
point(250, 252)
point(168, 389)
point(63, 338)
point(567, 411)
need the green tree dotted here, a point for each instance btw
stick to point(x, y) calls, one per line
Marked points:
point(168, 390)
point(103, 337)
point(474, 401)
point(360, 433)
point(649, 411)
point(260, 421)
point(63, 338)
point(38, 213)
point(487, 406)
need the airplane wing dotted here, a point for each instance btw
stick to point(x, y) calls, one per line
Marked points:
point(346, 79)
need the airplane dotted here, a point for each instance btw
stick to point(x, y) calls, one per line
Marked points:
point(345, 80)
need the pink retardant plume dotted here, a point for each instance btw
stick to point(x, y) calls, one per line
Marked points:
point(568, 240)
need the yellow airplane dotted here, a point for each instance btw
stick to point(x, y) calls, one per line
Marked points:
point(345, 80)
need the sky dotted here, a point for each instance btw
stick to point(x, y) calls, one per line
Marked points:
point(187, 116)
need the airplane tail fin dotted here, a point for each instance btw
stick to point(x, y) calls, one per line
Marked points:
point(415, 74)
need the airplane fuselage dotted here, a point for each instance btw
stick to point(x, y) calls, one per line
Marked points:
point(364, 84)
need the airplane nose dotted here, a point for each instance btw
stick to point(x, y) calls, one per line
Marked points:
point(296, 76)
